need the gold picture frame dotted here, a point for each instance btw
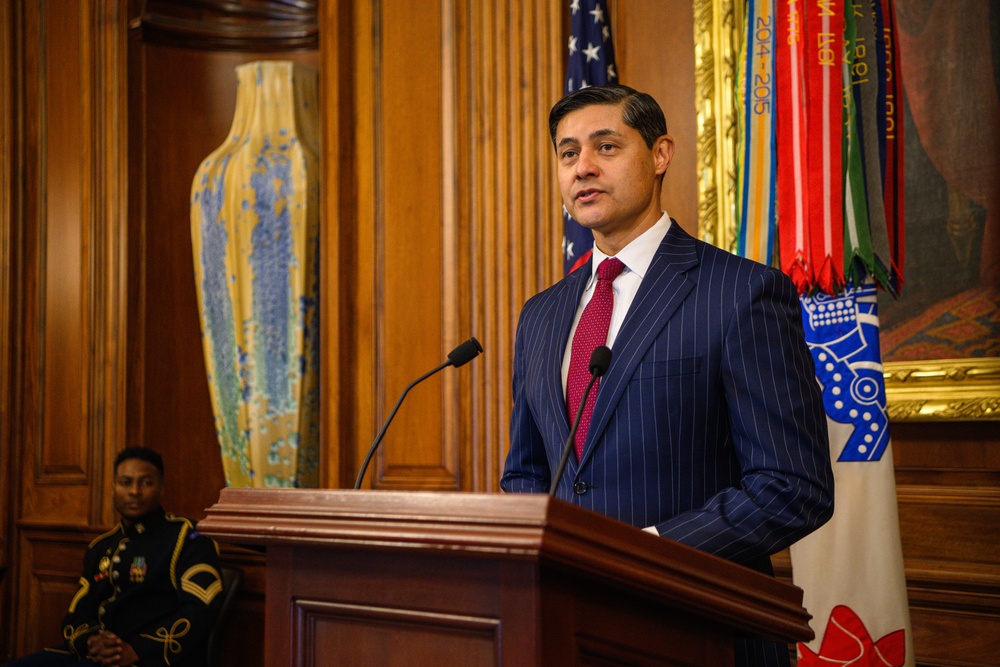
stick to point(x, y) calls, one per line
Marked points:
point(943, 390)
point(717, 27)
point(935, 390)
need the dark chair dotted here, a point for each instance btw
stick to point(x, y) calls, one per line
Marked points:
point(232, 577)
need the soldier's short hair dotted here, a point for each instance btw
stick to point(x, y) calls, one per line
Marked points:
point(141, 453)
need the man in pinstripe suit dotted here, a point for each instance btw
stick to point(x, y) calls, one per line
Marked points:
point(708, 427)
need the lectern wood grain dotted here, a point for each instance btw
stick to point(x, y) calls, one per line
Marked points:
point(380, 577)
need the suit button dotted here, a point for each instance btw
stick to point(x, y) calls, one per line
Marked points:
point(580, 488)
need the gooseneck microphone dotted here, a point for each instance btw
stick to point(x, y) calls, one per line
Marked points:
point(460, 356)
point(600, 359)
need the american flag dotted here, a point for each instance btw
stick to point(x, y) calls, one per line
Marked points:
point(591, 63)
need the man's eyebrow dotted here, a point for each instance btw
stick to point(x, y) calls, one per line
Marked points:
point(603, 132)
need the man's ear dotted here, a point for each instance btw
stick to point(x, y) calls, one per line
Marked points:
point(663, 151)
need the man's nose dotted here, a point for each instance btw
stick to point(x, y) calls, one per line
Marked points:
point(586, 165)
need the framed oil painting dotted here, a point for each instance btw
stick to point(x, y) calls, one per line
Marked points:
point(941, 338)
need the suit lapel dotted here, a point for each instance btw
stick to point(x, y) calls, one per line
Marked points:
point(566, 302)
point(663, 289)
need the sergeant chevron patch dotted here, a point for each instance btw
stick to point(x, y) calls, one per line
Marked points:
point(207, 586)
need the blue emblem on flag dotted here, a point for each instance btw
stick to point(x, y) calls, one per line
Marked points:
point(842, 334)
point(591, 63)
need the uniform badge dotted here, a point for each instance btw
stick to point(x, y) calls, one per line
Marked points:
point(137, 573)
point(103, 566)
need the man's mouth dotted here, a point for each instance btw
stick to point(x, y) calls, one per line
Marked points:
point(587, 195)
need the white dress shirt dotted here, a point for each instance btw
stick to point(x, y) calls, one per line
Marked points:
point(636, 257)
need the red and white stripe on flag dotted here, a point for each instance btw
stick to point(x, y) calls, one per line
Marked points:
point(790, 123)
point(824, 90)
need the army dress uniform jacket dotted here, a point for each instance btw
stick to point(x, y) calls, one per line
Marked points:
point(155, 584)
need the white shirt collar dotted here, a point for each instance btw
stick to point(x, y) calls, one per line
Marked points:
point(638, 254)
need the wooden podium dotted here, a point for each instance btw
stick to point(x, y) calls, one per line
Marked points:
point(466, 579)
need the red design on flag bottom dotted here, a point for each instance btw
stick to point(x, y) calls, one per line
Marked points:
point(846, 643)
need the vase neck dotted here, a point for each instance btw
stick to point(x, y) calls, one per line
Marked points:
point(277, 96)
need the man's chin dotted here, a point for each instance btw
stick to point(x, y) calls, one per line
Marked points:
point(133, 513)
point(588, 218)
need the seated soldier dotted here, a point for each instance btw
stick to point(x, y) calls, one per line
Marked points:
point(150, 590)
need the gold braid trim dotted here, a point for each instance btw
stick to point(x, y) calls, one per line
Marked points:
point(204, 594)
point(71, 634)
point(84, 589)
point(185, 527)
point(169, 637)
point(105, 535)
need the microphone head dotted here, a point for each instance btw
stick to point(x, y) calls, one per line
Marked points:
point(600, 359)
point(465, 353)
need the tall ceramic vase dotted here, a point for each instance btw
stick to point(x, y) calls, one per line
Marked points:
point(255, 227)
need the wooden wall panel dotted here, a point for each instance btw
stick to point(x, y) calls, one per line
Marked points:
point(9, 167)
point(399, 235)
point(509, 72)
point(654, 49)
point(65, 229)
point(454, 196)
point(63, 252)
point(59, 246)
point(956, 639)
point(360, 635)
point(72, 261)
point(51, 575)
point(409, 250)
point(948, 485)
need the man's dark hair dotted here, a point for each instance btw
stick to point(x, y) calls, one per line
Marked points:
point(141, 453)
point(639, 110)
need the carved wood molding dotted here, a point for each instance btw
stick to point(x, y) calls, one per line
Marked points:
point(250, 25)
point(60, 532)
point(966, 497)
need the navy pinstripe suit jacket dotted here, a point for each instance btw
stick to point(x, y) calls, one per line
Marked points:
point(709, 423)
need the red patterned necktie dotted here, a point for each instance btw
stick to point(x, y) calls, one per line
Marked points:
point(591, 333)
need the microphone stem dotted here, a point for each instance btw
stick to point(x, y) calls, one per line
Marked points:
point(385, 427)
point(572, 437)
